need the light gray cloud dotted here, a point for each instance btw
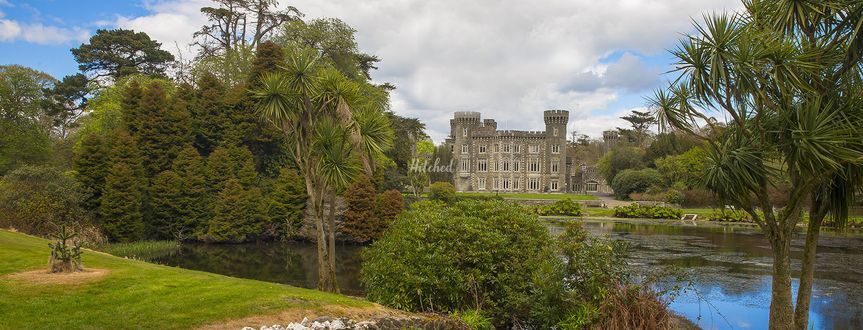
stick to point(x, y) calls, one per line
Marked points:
point(12, 30)
point(510, 59)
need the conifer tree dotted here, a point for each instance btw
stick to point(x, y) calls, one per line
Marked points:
point(192, 202)
point(388, 205)
point(166, 206)
point(287, 203)
point(209, 113)
point(220, 168)
point(164, 129)
point(122, 219)
point(359, 216)
point(131, 105)
point(91, 163)
point(125, 149)
point(237, 214)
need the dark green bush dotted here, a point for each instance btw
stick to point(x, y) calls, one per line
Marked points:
point(442, 191)
point(635, 181)
point(647, 212)
point(480, 255)
point(493, 259)
point(563, 207)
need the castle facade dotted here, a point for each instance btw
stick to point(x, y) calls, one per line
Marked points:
point(492, 160)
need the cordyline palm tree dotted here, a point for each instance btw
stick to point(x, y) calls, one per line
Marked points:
point(335, 127)
point(787, 76)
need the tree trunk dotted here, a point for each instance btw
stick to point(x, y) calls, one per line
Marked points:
point(326, 274)
point(781, 307)
point(332, 241)
point(807, 274)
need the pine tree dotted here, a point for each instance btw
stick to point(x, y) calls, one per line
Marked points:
point(124, 149)
point(166, 206)
point(244, 166)
point(91, 163)
point(359, 217)
point(287, 203)
point(237, 214)
point(165, 128)
point(131, 105)
point(122, 220)
point(209, 113)
point(220, 168)
point(388, 205)
point(268, 57)
point(193, 201)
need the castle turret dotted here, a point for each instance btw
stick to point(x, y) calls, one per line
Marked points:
point(555, 150)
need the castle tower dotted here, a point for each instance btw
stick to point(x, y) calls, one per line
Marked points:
point(555, 150)
point(462, 127)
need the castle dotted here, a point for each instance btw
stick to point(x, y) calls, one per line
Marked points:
point(488, 159)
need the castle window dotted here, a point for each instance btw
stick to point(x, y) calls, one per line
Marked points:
point(517, 148)
point(533, 166)
point(496, 183)
point(482, 149)
point(555, 131)
point(592, 186)
point(515, 184)
point(464, 132)
point(554, 166)
point(497, 166)
point(533, 184)
point(515, 165)
point(465, 165)
point(506, 166)
point(505, 184)
point(480, 184)
point(496, 147)
point(464, 149)
point(482, 165)
point(553, 185)
point(555, 148)
point(534, 149)
point(507, 148)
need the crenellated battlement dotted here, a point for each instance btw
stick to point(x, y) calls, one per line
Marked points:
point(556, 116)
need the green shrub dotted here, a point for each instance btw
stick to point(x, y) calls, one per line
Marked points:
point(442, 191)
point(437, 258)
point(474, 320)
point(563, 207)
point(729, 216)
point(33, 198)
point(647, 212)
point(635, 181)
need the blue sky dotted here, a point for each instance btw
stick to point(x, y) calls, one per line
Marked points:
point(509, 59)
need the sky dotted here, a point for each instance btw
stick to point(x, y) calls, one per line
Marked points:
point(508, 59)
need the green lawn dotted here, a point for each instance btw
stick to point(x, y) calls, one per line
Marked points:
point(136, 294)
point(529, 196)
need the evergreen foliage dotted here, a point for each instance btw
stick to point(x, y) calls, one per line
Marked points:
point(121, 207)
point(237, 214)
point(287, 204)
point(91, 163)
point(361, 224)
point(166, 212)
point(192, 202)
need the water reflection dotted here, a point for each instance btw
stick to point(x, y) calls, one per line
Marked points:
point(288, 263)
point(730, 268)
point(729, 265)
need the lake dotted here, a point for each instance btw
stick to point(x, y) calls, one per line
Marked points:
point(728, 269)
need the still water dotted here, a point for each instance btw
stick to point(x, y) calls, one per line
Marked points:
point(728, 266)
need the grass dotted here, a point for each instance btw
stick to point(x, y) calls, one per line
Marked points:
point(143, 250)
point(136, 294)
point(529, 196)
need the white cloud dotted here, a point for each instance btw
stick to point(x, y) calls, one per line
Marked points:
point(11, 30)
point(509, 59)
point(171, 22)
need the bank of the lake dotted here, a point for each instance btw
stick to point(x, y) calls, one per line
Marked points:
point(120, 293)
point(729, 265)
